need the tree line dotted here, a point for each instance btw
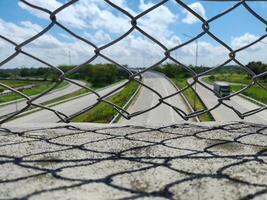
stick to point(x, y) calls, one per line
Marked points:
point(173, 70)
point(98, 75)
point(103, 74)
point(177, 71)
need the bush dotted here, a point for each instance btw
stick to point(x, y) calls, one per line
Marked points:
point(102, 75)
point(212, 78)
point(173, 70)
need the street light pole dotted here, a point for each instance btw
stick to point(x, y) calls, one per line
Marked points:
point(196, 41)
point(196, 63)
point(69, 58)
point(196, 53)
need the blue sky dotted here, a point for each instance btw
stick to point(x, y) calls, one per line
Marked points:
point(100, 23)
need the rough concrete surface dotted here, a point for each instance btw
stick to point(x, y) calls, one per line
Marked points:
point(184, 161)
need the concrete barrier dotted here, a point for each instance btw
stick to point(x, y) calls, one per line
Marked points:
point(93, 161)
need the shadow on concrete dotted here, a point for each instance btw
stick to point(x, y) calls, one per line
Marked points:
point(185, 161)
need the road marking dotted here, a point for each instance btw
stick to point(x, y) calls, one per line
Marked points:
point(169, 100)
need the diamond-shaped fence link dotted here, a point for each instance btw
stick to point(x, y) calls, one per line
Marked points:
point(134, 76)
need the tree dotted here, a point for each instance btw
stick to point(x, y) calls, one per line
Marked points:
point(103, 74)
point(24, 72)
point(4, 74)
point(257, 67)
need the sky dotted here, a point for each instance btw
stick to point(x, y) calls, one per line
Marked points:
point(100, 23)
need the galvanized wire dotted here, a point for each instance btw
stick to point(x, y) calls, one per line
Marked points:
point(132, 76)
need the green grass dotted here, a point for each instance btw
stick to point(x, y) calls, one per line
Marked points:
point(78, 93)
point(235, 78)
point(103, 112)
point(191, 95)
point(68, 96)
point(18, 83)
point(254, 92)
point(40, 86)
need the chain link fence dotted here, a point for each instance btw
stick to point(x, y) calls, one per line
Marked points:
point(134, 76)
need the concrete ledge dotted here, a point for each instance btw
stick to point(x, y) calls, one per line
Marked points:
point(89, 161)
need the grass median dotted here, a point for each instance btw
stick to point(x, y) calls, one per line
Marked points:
point(191, 97)
point(69, 96)
point(19, 83)
point(80, 92)
point(39, 87)
point(103, 112)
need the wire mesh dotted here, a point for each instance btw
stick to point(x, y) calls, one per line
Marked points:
point(134, 76)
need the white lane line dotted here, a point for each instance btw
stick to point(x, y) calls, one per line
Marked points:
point(169, 100)
point(154, 98)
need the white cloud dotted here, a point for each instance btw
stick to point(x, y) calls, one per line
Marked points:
point(256, 52)
point(243, 40)
point(19, 33)
point(69, 16)
point(157, 23)
point(98, 22)
point(190, 18)
point(100, 37)
point(46, 47)
point(120, 3)
point(83, 14)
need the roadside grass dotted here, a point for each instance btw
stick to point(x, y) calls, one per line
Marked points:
point(103, 112)
point(254, 92)
point(62, 99)
point(19, 83)
point(78, 92)
point(40, 87)
point(68, 96)
point(190, 95)
point(234, 77)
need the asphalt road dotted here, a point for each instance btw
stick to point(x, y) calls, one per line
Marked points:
point(68, 108)
point(13, 107)
point(225, 114)
point(147, 99)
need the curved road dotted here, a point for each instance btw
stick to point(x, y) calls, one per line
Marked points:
point(147, 99)
point(13, 107)
point(68, 108)
point(225, 114)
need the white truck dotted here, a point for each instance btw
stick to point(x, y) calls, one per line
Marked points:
point(222, 88)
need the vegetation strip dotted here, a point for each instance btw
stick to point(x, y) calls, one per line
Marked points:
point(40, 86)
point(126, 106)
point(63, 100)
point(179, 76)
point(103, 112)
point(68, 96)
point(194, 100)
point(183, 96)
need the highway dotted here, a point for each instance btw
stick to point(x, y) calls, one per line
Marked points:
point(17, 105)
point(225, 114)
point(147, 99)
point(68, 108)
